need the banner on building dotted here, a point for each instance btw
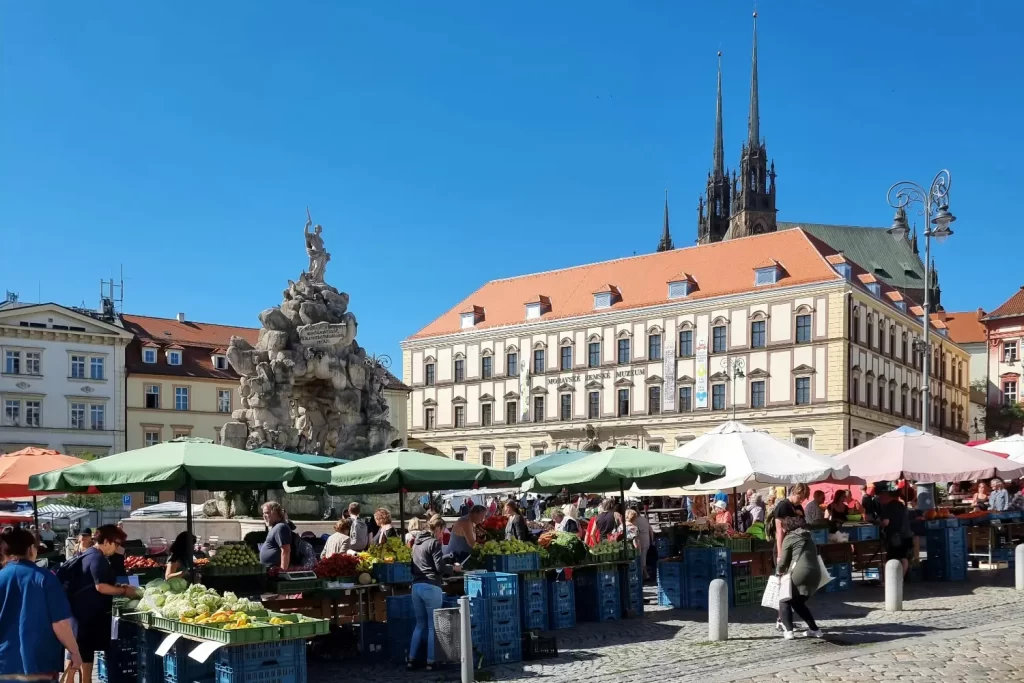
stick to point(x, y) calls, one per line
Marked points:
point(668, 400)
point(524, 392)
point(702, 375)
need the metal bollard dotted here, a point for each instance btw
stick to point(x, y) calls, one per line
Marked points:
point(718, 610)
point(466, 640)
point(893, 586)
point(1018, 567)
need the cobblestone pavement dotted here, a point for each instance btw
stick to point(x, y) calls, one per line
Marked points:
point(947, 631)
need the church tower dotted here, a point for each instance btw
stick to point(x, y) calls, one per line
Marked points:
point(753, 201)
point(713, 207)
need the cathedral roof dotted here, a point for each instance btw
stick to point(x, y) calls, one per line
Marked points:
point(874, 249)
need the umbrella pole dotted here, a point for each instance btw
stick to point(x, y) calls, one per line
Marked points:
point(401, 507)
point(35, 512)
point(188, 526)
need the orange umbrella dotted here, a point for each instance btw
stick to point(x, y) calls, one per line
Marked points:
point(17, 467)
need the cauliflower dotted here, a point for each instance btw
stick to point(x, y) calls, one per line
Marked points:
point(172, 612)
point(202, 610)
point(189, 612)
point(230, 597)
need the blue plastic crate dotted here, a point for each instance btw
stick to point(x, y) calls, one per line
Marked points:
point(502, 609)
point(392, 572)
point(373, 640)
point(535, 619)
point(508, 652)
point(399, 607)
point(861, 532)
point(120, 662)
point(562, 604)
point(502, 630)
point(399, 637)
point(291, 673)
point(819, 536)
point(520, 562)
point(663, 546)
point(180, 668)
point(261, 655)
point(561, 590)
point(150, 664)
point(670, 568)
point(491, 585)
point(564, 618)
point(533, 602)
point(449, 601)
point(605, 610)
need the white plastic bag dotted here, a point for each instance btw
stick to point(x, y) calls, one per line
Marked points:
point(825, 578)
point(785, 587)
point(771, 593)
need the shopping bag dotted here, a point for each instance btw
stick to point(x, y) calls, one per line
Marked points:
point(785, 587)
point(825, 578)
point(771, 593)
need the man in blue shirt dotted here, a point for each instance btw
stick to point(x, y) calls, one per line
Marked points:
point(35, 619)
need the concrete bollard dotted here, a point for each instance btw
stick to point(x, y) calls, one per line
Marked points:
point(718, 610)
point(1018, 567)
point(893, 586)
point(465, 640)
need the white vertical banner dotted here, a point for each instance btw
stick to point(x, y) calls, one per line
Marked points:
point(668, 398)
point(702, 375)
point(524, 392)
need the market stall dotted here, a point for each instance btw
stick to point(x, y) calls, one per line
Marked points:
point(911, 455)
point(17, 468)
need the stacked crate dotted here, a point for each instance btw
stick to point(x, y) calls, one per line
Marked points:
point(562, 602)
point(629, 576)
point(401, 622)
point(494, 615)
point(663, 546)
point(533, 600)
point(842, 577)
point(119, 663)
point(947, 555)
point(671, 584)
point(685, 584)
point(597, 593)
point(180, 668)
point(281, 661)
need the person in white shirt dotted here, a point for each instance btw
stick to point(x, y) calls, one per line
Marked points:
point(46, 534)
point(813, 510)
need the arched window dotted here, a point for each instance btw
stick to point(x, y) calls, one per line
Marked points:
point(892, 340)
point(871, 330)
point(855, 326)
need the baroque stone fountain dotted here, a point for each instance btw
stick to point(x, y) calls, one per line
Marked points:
point(307, 386)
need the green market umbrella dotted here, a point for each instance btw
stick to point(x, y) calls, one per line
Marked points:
point(179, 464)
point(620, 468)
point(302, 458)
point(398, 469)
point(531, 467)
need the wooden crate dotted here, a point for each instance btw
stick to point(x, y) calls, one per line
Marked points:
point(868, 555)
point(837, 553)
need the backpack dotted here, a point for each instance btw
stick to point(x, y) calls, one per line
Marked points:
point(303, 554)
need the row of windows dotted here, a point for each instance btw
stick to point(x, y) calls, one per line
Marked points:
point(30, 363)
point(151, 437)
point(181, 398)
point(757, 399)
point(719, 344)
point(910, 407)
point(942, 363)
point(29, 413)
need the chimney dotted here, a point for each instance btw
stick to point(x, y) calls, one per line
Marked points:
point(181, 317)
point(981, 313)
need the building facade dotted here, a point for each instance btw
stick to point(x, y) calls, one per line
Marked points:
point(654, 350)
point(967, 329)
point(62, 382)
point(1004, 332)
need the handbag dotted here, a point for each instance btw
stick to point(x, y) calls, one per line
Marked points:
point(771, 593)
point(825, 578)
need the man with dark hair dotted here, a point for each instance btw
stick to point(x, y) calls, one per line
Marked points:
point(895, 523)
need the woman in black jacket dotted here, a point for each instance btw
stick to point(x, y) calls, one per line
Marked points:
point(517, 528)
point(429, 567)
point(385, 528)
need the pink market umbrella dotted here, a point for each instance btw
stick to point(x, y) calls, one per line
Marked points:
point(907, 453)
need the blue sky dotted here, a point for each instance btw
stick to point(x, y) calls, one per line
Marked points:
point(445, 144)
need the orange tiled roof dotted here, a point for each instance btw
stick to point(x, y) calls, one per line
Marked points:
point(188, 333)
point(966, 327)
point(1009, 308)
point(721, 269)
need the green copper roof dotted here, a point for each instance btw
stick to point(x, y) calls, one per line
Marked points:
point(874, 249)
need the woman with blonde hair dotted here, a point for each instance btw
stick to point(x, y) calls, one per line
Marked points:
point(415, 526)
point(386, 529)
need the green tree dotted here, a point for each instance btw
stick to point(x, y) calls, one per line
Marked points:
point(97, 501)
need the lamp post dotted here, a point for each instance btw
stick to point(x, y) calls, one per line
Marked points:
point(934, 203)
point(734, 370)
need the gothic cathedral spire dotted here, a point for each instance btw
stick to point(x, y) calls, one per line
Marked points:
point(753, 207)
point(666, 238)
point(712, 225)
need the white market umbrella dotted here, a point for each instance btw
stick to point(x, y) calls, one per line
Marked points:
point(908, 453)
point(1011, 446)
point(751, 456)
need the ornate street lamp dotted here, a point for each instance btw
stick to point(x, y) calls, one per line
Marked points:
point(934, 203)
point(734, 372)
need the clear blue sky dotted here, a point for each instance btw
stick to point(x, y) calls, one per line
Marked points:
point(445, 144)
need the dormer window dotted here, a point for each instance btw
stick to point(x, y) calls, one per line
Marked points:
point(767, 275)
point(902, 305)
point(681, 287)
point(844, 270)
point(606, 297)
point(219, 361)
point(149, 356)
point(174, 357)
point(538, 307)
point(875, 288)
point(472, 316)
